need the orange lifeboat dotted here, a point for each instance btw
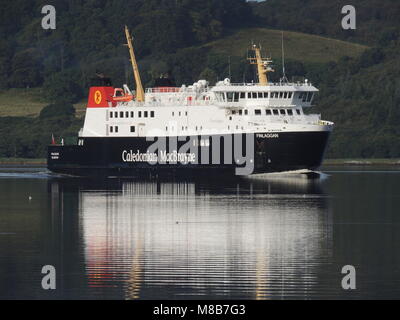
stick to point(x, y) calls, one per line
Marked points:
point(121, 95)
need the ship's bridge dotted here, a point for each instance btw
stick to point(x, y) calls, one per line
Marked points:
point(274, 94)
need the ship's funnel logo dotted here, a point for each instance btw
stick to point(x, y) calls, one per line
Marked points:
point(97, 97)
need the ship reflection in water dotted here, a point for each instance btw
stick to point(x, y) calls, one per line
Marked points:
point(249, 239)
point(275, 238)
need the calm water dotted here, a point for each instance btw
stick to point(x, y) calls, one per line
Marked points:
point(284, 237)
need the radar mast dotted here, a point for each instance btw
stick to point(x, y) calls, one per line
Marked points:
point(263, 65)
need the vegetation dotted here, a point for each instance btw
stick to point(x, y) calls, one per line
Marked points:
point(298, 46)
point(44, 72)
point(22, 161)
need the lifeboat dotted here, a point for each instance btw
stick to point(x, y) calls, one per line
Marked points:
point(122, 95)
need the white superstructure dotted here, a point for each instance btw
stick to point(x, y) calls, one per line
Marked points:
point(199, 109)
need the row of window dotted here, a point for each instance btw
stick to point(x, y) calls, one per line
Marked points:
point(237, 96)
point(131, 114)
point(268, 112)
point(184, 128)
point(277, 112)
point(115, 129)
point(179, 113)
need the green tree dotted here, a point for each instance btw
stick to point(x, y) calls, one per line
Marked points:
point(209, 75)
point(26, 69)
point(62, 87)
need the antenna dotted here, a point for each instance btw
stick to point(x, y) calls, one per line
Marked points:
point(284, 79)
point(229, 62)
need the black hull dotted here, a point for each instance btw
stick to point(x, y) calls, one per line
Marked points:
point(278, 152)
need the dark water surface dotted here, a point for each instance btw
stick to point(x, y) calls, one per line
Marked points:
point(284, 237)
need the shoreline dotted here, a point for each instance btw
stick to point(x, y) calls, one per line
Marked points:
point(10, 162)
point(361, 162)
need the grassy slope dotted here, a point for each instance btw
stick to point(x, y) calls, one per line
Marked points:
point(298, 46)
point(20, 102)
point(28, 103)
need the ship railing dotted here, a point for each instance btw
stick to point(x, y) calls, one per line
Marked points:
point(163, 90)
point(277, 84)
point(313, 119)
point(181, 102)
point(189, 89)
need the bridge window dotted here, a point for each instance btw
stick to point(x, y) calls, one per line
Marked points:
point(290, 95)
point(310, 96)
point(111, 114)
point(285, 95)
point(298, 111)
point(276, 112)
point(254, 95)
point(121, 114)
point(280, 95)
point(140, 114)
point(246, 112)
point(146, 114)
point(243, 95)
point(132, 128)
point(220, 96)
point(127, 114)
point(248, 95)
point(240, 112)
point(152, 114)
point(266, 95)
point(132, 114)
point(229, 96)
point(282, 111)
point(116, 114)
point(257, 112)
point(260, 95)
point(289, 112)
point(268, 112)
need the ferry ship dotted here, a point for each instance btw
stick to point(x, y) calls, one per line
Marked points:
point(196, 130)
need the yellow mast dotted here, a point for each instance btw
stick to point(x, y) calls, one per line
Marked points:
point(263, 66)
point(139, 87)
